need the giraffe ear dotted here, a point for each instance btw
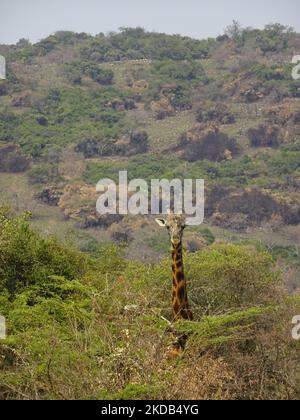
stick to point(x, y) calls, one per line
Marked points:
point(161, 222)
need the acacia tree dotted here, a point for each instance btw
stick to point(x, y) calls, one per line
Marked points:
point(234, 31)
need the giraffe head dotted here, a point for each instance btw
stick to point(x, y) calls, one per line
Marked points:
point(175, 225)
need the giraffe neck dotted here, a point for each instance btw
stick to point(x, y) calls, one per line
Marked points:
point(180, 300)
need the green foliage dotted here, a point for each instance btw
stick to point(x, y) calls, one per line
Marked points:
point(27, 259)
point(75, 71)
point(290, 254)
point(144, 167)
point(135, 43)
point(216, 330)
point(44, 174)
point(285, 162)
point(135, 143)
point(266, 73)
point(207, 235)
point(94, 326)
point(182, 75)
point(274, 38)
point(169, 70)
point(137, 392)
point(71, 114)
point(85, 328)
point(159, 242)
point(230, 277)
point(244, 171)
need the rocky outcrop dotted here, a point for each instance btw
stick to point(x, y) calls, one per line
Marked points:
point(50, 195)
point(89, 218)
point(78, 202)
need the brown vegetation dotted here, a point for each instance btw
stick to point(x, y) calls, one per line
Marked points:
point(219, 113)
point(207, 142)
point(249, 208)
point(265, 136)
point(134, 143)
point(12, 159)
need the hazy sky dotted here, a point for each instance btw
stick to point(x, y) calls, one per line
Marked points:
point(35, 19)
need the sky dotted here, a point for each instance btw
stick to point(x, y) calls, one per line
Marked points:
point(36, 19)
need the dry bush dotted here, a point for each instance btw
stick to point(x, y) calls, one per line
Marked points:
point(200, 378)
point(206, 142)
point(219, 113)
point(13, 160)
point(265, 136)
point(162, 108)
point(240, 209)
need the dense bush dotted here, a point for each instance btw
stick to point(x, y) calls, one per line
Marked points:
point(286, 162)
point(130, 144)
point(275, 37)
point(265, 136)
point(28, 260)
point(3, 89)
point(142, 167)
point(172, 83)
point(82, 328)
point(12, 160)
point(69, 113)
point(219, 113)
point(213, 146)
point(174, 70)
point(75, 71)
point(44, 174)
point(135, 43)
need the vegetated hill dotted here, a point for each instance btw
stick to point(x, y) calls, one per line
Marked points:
point(76, 108)
point(94, 323)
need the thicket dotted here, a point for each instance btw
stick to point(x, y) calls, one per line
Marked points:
point(86, 326)
point(136, 43)
point(61, 117)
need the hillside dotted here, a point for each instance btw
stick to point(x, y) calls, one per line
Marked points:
point(77, 108)
point(87, 296)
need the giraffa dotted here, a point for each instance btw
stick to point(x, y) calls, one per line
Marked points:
point(175, 225)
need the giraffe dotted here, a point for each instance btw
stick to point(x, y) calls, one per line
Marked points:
point(175, 225)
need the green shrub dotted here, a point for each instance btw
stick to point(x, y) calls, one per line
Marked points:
point(136, 43)
point(207, 235)
point(44, 174)
point(230, 277)
point(92, 329)
point(27, 259)
point(72, 114)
